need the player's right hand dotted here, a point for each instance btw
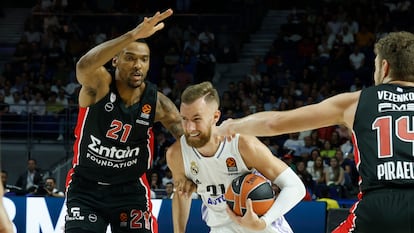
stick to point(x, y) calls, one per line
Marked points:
point(249, 220)
point(224, 132)
point(150, 25)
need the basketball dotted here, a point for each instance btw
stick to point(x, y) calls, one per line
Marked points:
point(252, 186)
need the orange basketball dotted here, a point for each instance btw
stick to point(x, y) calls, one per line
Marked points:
point(252, 186)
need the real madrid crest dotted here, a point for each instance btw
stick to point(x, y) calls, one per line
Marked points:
point(194, 168)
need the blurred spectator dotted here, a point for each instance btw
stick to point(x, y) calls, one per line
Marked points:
point(288, 159)
point(31, 178)
point(56, 108)
point(169, 190)
point(53, 106)
point(347, 36)
point(293, 143)
point(305, 176)
point(318, 175)
point(51, 22)
point(335, 140)
point(167, 178)
point(364, 39)
point(326, 197)
point(4, 107)
point(18, 106)
point(357, 60)
point(182, 77)
point(9, 190)
point(335, 178)
point(32, 34)
point(7, 93)
point(327, 151)
point(206, 37)
point(192, 43)
point(155, 181)
point(175, 34)
point(226, 101)
point(227, 54)
point(162, 143)
point(37, 105)
point(206, 63)
point(50, 187)
point(316, 141)
point(304, 152)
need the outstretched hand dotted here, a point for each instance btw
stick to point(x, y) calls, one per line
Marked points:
point(249, 220)
point(150, 25)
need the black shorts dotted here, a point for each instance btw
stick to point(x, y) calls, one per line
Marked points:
point(381, 211)
point(92, 206)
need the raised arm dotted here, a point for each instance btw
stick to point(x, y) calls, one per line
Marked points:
point(337, 110)
point(90, 70)
point(168, 115)
point(181, 203)
point(104, 52)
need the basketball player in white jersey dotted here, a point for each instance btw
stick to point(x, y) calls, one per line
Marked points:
point(212, 165)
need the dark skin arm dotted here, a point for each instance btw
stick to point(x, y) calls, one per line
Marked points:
point(168, 115)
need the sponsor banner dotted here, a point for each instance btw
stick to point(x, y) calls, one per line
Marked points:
point(47, 215)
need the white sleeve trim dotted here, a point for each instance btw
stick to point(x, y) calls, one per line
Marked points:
point(292, 192)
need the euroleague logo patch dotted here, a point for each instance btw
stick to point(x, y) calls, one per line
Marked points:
point(231, 164)
point(123, 219)
point(145, 111)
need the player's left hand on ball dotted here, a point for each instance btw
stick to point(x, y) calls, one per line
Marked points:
point(249, 219)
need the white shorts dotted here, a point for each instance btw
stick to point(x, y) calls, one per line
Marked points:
point(280, 225)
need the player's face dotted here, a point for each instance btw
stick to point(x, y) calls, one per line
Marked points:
point(133, 64)
point(197, 120)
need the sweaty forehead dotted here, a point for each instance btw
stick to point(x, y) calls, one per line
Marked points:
point(197, 108)
point(136, 48)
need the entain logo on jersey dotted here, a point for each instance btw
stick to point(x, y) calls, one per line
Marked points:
point(111, 157)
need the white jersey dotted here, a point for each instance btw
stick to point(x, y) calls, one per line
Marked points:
point(213, 175)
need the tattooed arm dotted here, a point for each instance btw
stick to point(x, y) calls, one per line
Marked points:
point(167, 113)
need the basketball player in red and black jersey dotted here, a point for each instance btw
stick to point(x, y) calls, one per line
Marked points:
point(113, 148)
point(381, 119)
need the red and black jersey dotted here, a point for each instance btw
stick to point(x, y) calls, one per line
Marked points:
point(383, 135)
point(114, 142)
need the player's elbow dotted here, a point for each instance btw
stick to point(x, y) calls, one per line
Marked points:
point(83, 65)
point(301, 190)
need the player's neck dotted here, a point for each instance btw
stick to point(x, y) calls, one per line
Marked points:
point(401, 83)
point(210, 149)
point(130, 95)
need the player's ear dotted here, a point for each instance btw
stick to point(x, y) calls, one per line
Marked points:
point(217, 115)
point(385, 66)
point(115, 61)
